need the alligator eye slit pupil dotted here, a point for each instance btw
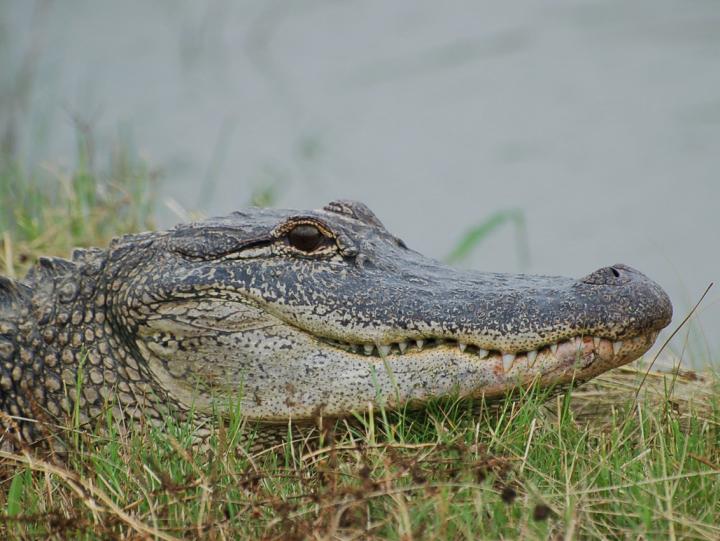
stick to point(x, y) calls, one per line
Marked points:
point(305, 237)
point(615, 272)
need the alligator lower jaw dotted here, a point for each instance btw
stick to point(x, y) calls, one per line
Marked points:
point(339, 385)
point(578, 350)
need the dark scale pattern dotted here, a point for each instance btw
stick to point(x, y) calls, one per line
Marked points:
point(247, 307)
point(43, 360)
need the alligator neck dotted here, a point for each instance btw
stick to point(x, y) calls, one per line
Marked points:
point(61, 356)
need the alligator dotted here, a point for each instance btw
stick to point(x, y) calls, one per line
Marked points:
point(295, 315)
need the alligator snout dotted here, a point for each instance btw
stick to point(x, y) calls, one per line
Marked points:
point(626, 297)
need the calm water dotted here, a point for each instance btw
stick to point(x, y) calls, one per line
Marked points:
point(599, 119)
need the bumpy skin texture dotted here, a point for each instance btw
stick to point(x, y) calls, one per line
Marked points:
point(161, 323)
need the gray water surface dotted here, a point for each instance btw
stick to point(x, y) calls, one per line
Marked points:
point(599, 119)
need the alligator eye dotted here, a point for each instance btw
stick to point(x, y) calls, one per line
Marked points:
point(306, 238)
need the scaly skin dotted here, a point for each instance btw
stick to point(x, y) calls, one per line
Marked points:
point(300, 314)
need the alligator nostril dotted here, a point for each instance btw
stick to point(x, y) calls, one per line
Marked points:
point(607, 276)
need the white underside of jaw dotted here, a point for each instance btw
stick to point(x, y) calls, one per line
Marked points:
point(581, 345)
point(341, 378)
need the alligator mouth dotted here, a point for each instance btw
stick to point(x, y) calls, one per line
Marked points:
point(586, 348)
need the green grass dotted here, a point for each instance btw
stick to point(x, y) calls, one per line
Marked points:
point(595, 463)
point(50, 211)
point(530, 470)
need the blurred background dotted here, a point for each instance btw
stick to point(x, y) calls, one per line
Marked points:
point(544, 137)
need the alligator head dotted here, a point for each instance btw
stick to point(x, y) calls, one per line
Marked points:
point(324, 312)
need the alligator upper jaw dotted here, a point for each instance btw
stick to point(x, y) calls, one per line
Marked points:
point(425, 300)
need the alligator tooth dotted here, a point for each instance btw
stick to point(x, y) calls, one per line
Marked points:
point(419, 343)
point(579, 345)
point(532, 357)
point(402, 346)
point(507, 360)
point(482, 353)
point(596, 341)
point(462, 347)
point(616, 346)
point(369, 349)
point(384, 350)
point(553, 348)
